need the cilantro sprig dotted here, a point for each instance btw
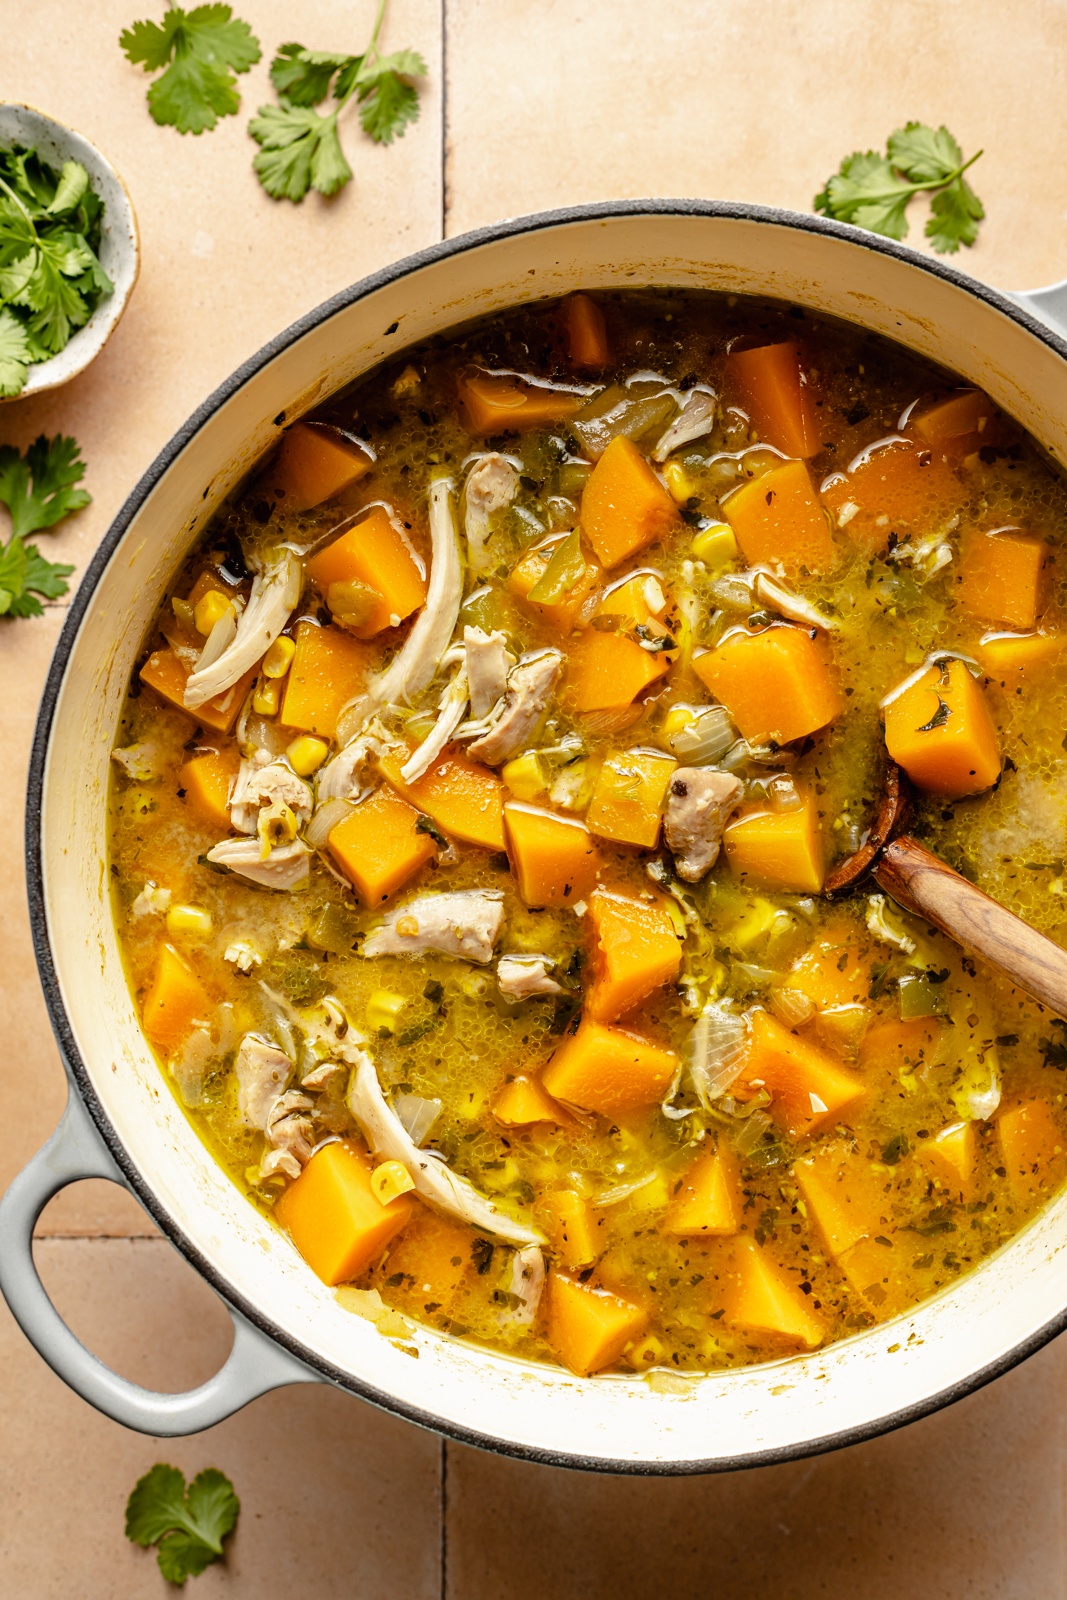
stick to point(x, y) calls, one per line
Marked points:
point(200, 51)
point(872, 191)
point(39, 489)
point(300, 148)
point(187, 1525)
point(51, 280)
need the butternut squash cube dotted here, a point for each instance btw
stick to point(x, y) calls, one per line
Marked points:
point(167, 674)
point(890, 1046)
point(759, 1297)
point(433, 1258)
point(607, 671)
point(499, 403)
point(175, 1002)
point(777, 396)
point(636, 952)
point(315, 462)
point(464, 798)
point(842, 1195)
point(585, 332)
point(328, 670)
point(948, 1158)
point(589, 1328)
point(377, 846)
point(576, 1230)
point(880, 1269)
point(940, 731)
point(523, 1102)
point(206, 780)
point(1032, 1148)
point(834, 972)
point(333, 1216)
point(775, 684)
point(562, 614)
point(779, 517)
point(555, 858)
point(959, 424)
point(375, 553)
point(705, 1201)
point(898, 487)
point(998, 578)
point(779, 848)
point(1005, 655)
point(629, 796)
point(807, 1088)
point(607, 1070)
point(624, 505)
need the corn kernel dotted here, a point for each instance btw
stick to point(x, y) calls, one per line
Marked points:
point(715, 546)
point(268, 697)
point(680, 485)
point(647, 1352)
point(390, 1181)
point(523, 776)
point(211, 608)
point(192, 920)
point(307, 754)
point(383, 1009)
point(677, 718)
point(279, 657)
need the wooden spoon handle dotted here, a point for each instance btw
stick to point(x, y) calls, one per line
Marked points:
point(920, 882)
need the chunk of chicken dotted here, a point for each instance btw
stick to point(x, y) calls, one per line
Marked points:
point(529, 686)
point(263, 1073)
point(520, 977)
point(526, 1282)
point(492, 484)
point(275, 592)
point(285, 868)
point(290, 1132)
point(488, 663)
point(699, 803)
point(465, 924)
point(140, 762)
point(274, 784)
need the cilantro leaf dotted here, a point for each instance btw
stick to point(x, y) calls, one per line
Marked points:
point(200, 50)
point(303, 77)
point(24, 573)
point(872, 191)
point(38, 488)
point(387, 104)
point(300, 150)
point(188, 1526)
point(73, 182)
point(14, 353)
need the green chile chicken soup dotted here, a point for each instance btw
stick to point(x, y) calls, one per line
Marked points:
point(474, 797)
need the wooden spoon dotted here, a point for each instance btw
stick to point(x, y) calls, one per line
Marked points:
point(927, 886)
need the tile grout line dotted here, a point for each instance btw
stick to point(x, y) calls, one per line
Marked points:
point(444, 1519)
point(444, 119)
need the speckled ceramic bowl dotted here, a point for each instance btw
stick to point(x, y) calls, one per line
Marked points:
point(120, 254)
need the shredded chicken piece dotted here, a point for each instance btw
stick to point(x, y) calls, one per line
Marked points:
point(778, 596)
point(434, 1180)
point(492, 484)
point(242, 955)
point(322, 1076)
point(347, 777)
point(140, 762)
point(275, 783)
point(189, 1065)
point(453, 704)
point(696, 418)
point(263, 1073)
point(529, 686)
point(285, 868)
point(465, 923)
point(275, 592)
point(152, 901)
point(488, 663)
point(526, 1283)
point(699, 803)
point(519, 977)
point(881, 925)
point(290, 1132)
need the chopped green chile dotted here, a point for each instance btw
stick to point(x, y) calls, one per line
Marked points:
point(789, 1048)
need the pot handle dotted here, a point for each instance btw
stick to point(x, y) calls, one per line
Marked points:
point(1048, 305)
point(255, 1364)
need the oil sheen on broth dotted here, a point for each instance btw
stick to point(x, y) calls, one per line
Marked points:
point(477, 921)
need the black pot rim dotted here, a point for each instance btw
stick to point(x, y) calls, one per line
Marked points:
point(80, 1081)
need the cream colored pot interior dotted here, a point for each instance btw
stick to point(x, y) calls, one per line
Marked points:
point(727, 1417)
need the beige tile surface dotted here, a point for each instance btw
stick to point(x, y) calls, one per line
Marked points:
point(548, 103)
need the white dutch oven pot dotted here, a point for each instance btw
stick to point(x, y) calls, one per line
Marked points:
point(123, 1123)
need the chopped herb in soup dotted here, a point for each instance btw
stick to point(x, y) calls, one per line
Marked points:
point(474, 799)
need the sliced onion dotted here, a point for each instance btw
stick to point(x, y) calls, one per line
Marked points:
point(751, 1132)
point(623, 1191)
point(418, 1115)
point(716, 1052)
point(705, 739)
point(325, 820)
